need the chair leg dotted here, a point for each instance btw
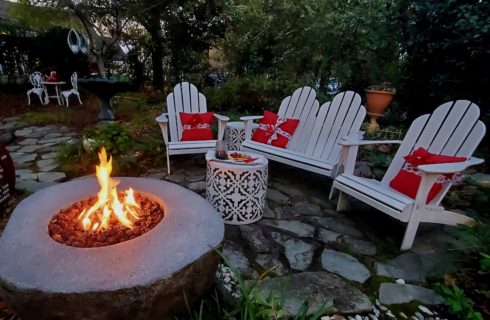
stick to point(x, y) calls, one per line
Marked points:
point(67, 100)
point(168, 162)
point(79, 100)
point(28, 99)
point(342, 204)
point(332, 192)
point(409, 235)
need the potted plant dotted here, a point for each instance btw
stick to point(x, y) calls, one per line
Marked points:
point(378, 97)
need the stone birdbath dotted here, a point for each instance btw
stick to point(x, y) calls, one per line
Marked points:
point(104, 89)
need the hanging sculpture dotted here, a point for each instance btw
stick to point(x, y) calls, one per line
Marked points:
point(77, 42)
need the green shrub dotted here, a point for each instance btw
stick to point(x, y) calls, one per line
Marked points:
point(114, 137)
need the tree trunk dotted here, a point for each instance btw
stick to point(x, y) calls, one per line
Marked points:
point(157, 63)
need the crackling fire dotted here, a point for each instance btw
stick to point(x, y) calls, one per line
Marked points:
point(108, 205)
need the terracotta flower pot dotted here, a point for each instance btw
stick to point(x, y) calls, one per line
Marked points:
point(376, 103)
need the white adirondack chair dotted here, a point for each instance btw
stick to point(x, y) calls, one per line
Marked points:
point(314, 145)
point(74, 90)
point(452, 129)
point(185, 98)
point(37, 88)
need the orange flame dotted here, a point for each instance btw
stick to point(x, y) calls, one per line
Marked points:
point(108, 204)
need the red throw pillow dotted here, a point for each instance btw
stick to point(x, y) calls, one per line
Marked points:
point(196, 126)
point(274, 130)
point(407, 181)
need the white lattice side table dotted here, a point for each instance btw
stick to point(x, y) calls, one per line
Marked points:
point(235, 134)
point(237, 191)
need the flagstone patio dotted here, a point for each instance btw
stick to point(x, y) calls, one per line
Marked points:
point(349, 260)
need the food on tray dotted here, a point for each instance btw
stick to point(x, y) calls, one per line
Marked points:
point(237, 156)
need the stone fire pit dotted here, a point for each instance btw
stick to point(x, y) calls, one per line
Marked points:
point(138, 279)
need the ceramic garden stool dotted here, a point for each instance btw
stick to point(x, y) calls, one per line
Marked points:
point(235, 134)
point(236, 190)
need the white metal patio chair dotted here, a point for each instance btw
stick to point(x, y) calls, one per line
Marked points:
point(452, 129)
point(185, 98)
point(74, 90)
point(37, 88)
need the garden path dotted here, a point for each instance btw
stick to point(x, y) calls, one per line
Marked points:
point(348, 260)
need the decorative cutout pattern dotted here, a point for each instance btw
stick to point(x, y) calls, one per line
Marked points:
point(234, 138)
point(238, 193)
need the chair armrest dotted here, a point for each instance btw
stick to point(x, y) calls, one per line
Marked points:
point(248, 118)
point(449, 167)
point(163, 123)
point(357, 142)
point(162, 118)
point(222, 120)
point(247, 125)
point(221, 117)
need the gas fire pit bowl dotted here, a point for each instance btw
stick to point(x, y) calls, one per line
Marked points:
point(143, 278)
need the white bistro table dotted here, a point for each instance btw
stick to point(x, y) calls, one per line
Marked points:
point(57, 95)
point(237, 190)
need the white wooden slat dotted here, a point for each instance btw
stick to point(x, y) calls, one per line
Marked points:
point(395, 213)
point(472, 140)
point(457, 138)
point(433, 125)
point(352, 123)
point(194, 99)
point(406, 147)
point(456, 116)
point(330, 122)
point(317, 127)
point(288, 110)
point(202, 104)
point(186, 98)
point(306, 99)
point(172, 118)
point(374, 189)
point(303, 133)
point(348, 110)
point(284, 105)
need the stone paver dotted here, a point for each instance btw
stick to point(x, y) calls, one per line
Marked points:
point(344, 265)
point(299, 228)
point(395, 293)
point(298, 253)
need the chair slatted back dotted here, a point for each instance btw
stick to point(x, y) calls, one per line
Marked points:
point(185, 98)
point(36, 78)
point(452, 129)
point(336, 119)
point(73, 80)
point(302, 105)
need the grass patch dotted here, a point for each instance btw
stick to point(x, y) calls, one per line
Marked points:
point(61, 116)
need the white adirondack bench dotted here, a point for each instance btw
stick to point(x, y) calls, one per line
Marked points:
point(315, 143)
point(452, 129)
point(185, 98)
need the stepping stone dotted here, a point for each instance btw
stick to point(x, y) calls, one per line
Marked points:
point(237, 258)
point(18, 158)
point(394, 293)
point(51, 176)
point(255, 238)
point(197, 187)
point(52, 135)
point(30, 148)
point(55, 140)
point(23, 132)
point(12, 148)
point(176, 177)
point(267, 262)
point(28, 142)
point(288, 189)
point(406, 266)
point(336, 224)
point(298, 253)
point(322, 202)
point(328, 236)
point(344, 265)
point(50, 155)
point(359, 246)
point(299, 228)
point(32, 185)
point(6, 138)
point(25, 174)
point(306, 208)
point(46, 163)
point(277, 196)
point(320, 289)
point(196, 178)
